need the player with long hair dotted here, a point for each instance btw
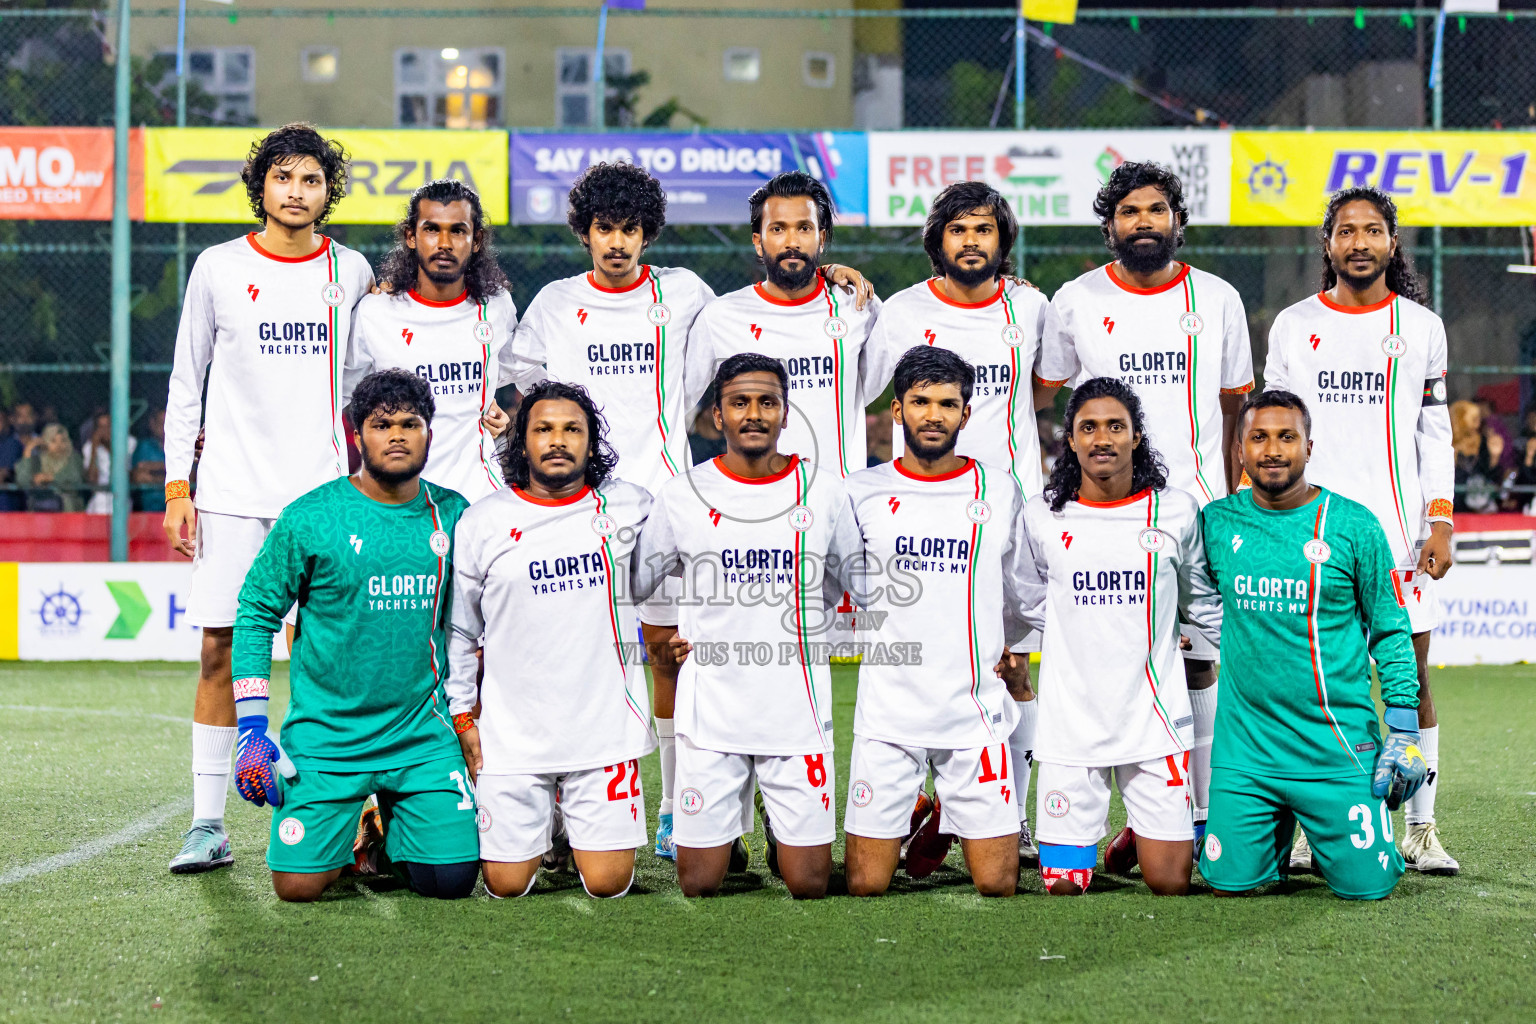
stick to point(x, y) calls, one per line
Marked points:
point(1370, 360)
point(265, 327)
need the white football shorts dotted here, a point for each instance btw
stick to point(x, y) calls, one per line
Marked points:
point(604, 809)
point(660, 609)
point(1416, 593)
point(1072, 803)
point(714, 796)
point(226, 547)
point(974, 786)
point(1029, 645)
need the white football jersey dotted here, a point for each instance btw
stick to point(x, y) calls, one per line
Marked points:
point(1180, 347)
point(822, 340)
point(945, 579)
point(1373, 378)
point(1116, 576)
point(270, 335)
point(629, 347)
point(462, 348)
point(547, 584)
point(1001, 339)
point(760, 563)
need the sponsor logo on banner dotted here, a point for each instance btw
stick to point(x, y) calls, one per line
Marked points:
point(193, 174)
point(1049, 177)
point(1487, 615)
point(1466, 178)
point(65, 174)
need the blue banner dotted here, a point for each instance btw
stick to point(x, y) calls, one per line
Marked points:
point(707, 176)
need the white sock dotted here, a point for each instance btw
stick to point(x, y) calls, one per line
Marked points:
point(1203, 704)
point(1421, 806)
point(1021, 751)
point(211, 747)
point(666, 741)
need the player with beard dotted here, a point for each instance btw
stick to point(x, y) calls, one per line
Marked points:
point(1178, 337)
point(265, 327)
point(760, 540)
point(1370, 359)
point(793, 316)
point(944, 533)
point(624, 332)
point(973, 307)
point(446, 313)
point(542, 571)
point(1118, 564)
point(367, 558)
point(1312, 598)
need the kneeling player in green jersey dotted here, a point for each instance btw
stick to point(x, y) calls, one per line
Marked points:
point(368, 558)
point(1306, 583)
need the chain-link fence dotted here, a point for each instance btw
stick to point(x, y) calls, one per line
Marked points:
point(927, 68)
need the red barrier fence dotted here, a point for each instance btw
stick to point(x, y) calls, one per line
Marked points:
point(79, 537)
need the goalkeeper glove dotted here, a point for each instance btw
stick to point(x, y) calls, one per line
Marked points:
point(256, 750)
point(1401, 768)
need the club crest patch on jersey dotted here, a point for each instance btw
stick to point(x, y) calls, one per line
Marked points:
point(1191, 323)
point(658, 314)
point(978, 511)
point(1393, 345)
point(483, 819)
point(1056, 804)
point(1317, 550)
point(861, 793)
point(484, 332)
point(1212, 847)
point(836, 328)
point(439, 542)
point(1013, 335)
point(603, 525)
point(333, 294)
point(690, 801)
point(800, 517)
point(1152, 539)
point(290, 831)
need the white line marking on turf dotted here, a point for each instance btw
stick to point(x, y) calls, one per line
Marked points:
point(376, 903)
point(578, 904)
point(96, 711)
point(96, 847)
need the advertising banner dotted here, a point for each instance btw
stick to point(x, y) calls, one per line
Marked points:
point(1049, 177)
point(193, 174)
point(1487, 616)
point(707, 176)
point(1461, 178)
point(65, 174)
point(112, 611)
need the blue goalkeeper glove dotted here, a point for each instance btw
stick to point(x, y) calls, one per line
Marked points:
point(1401, 768)
point(256, 751)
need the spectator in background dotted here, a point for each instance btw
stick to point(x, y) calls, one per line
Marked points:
point(1493, 426)
point(877, 428)
point(51, 472)
point(10, 454)
point(24, 422)
point(88, 427)
point(1477, 457)
point(147, 473)
point(1525, 467)
point(96, 457)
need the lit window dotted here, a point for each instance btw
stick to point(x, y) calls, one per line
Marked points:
point(449, 87)
point(319, 63)
point(743, 64)
point(818, 69)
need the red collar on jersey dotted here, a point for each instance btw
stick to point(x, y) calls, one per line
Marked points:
point(965, 468)
point(1373, 307)
point(1178, 279)
point(325, 243)
point(1133, 499)
point(552, 502)
point(938, 293)
point(645, 275)
point(719, 460)
point(463, 296)
point(821, 286)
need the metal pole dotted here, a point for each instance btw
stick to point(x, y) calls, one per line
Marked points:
point(1437, 100)
point(599, 86)
point(120, 272)
point(1018, 69)
point(181, 122)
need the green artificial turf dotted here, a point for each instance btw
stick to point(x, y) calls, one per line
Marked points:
point(88, 750)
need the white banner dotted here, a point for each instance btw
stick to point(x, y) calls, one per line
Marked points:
point(111, 611)
point(1049, 177)
point(1487, 616)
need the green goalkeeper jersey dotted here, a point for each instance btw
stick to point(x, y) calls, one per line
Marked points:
point(370, 652)
point(1308, 600)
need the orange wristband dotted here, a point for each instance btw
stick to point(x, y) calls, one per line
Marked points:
point(177, 489)
point(462, 722)
point(1440, 508)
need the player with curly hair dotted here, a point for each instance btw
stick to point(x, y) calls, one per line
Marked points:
point(1370, 358)
point(1178, 337)
point(266, 325)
